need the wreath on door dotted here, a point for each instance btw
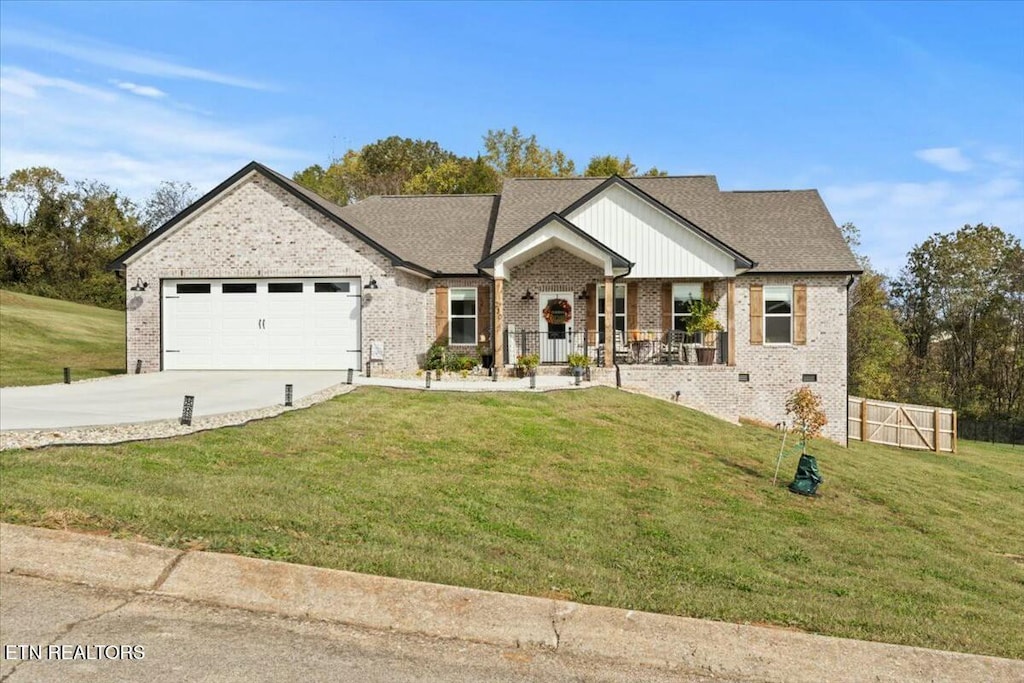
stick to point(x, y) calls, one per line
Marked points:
point(558, 312)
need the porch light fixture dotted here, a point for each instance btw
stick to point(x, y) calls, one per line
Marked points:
point(528, 296)
point(584, 295)
point(372, 284)
point(139, 285)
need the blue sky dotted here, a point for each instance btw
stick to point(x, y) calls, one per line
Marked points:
point(909, 118)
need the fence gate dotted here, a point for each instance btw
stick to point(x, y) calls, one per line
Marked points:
point(902, 425)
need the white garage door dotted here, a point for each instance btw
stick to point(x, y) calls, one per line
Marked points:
point(261, 324)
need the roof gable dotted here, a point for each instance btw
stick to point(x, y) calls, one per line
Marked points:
point(551, 231)
point(660, 243)
point(311, 199)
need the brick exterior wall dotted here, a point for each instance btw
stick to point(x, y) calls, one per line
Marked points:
point(555, 270)
point(256, 229)
point(774, 370)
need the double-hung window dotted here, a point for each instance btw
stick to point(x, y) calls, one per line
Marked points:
point(619, 322)
point(683, 296)
point(778, 314)
point(462, 315)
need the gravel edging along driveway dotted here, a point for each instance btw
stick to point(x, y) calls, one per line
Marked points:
point(159, 429)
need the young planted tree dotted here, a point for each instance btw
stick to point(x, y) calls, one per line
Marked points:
point(808, 416)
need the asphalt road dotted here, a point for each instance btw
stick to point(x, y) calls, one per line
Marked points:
point(185, 641)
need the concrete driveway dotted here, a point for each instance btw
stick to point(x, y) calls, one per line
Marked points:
point(127, 399)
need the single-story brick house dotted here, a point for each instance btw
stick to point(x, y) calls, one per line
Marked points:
point(262, 273)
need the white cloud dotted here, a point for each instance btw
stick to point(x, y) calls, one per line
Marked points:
point(947, 158)
point(131, 143)
point(121, 59)
point(894, 217)
point(27, 84)
point(142, 90)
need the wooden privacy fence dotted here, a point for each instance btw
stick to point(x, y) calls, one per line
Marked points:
point(902, 425)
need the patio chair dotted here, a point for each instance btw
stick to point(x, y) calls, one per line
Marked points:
point(672, 349)
point(622, 352)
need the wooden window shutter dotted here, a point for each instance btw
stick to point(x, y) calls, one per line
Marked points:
point(756, 314)
point(441, 312)
point(592, 313)
point(799, 314)
point(666, 305)
point(632, 306)
point(483, 312)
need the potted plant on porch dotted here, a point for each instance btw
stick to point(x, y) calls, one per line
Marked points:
point(578, 364)
point(702, 320)
point(526, 364)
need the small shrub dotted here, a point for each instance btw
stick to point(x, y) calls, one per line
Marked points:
point(579, 360)
point(528, 361)
point(436, 355)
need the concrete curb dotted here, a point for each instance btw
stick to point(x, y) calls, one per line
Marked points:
point(716, 648)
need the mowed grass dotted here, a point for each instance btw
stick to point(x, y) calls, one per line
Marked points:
point(597, 496)
point(39, 337)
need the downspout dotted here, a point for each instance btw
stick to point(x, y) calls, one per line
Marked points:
point(853, 278)
point(611, 309)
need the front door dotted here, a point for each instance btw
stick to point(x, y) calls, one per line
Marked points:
point(555, 324)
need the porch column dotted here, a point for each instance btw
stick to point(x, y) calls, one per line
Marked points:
point(499, 323)
point(730, 312)
point(609, 321)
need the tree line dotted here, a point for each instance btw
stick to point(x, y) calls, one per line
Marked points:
point(57, 237)
point(947, 330)
point(397, 165)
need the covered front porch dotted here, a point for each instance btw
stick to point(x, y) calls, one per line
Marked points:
point(560, 292)
point(634, 347)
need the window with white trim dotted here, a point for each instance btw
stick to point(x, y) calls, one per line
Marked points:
point(462, 315)
point(683, 296)
point(619, 322)
point(778, 314)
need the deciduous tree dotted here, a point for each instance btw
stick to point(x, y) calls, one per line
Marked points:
point(169, 199)
point(514, 155)
point(57, 238)
point(876, 347)
point(962, 308)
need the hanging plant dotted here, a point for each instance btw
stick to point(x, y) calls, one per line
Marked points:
point(558, 312)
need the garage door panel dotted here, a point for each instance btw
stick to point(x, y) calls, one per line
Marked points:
point(300, 323)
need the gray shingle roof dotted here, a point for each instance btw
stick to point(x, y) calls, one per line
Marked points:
point(445, 233)
point(787, 231)
point(524, 201)
point(442, 233)
point(781, 231)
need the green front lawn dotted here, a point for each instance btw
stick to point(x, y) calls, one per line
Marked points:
point(598, 496)
point(40, 337)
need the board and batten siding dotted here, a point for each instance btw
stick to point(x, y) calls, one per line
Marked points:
point(658, 245)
